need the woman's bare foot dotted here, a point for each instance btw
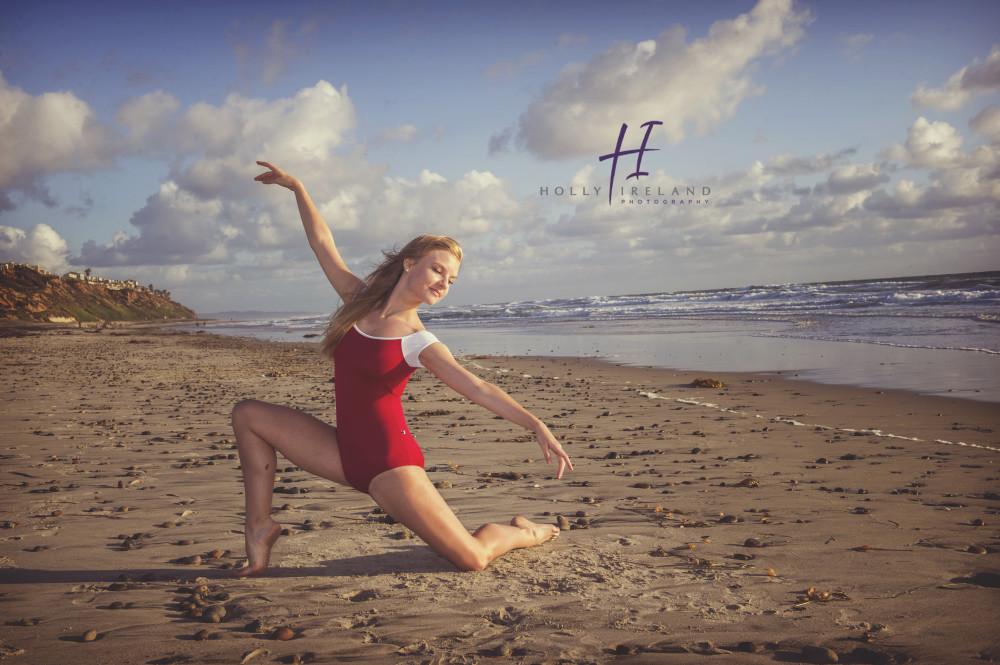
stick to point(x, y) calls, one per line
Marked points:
point(258, 543)
point(540, 532)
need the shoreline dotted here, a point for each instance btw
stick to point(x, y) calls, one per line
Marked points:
point(9, 327)
point(719, 346)
point(700, 517)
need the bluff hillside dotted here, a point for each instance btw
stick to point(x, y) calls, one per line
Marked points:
point(29, 295)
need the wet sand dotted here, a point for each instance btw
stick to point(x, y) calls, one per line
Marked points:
point(770, 520)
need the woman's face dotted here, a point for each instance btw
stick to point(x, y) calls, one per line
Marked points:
point(432, 276)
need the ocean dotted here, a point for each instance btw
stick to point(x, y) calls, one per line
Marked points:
point(936, 334)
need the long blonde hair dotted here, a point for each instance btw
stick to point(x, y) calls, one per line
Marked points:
point(379, 284)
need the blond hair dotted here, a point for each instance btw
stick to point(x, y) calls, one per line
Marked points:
point(379, 284)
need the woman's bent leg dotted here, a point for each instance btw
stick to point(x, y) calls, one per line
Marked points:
point(407, 494)
point(262, 430)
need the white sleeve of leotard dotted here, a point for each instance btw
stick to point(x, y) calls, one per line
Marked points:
point(414, 344)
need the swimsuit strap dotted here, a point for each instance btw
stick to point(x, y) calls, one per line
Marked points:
point(412, 344)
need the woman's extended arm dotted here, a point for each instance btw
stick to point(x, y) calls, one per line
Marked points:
point(439, 360)
point(345, 282)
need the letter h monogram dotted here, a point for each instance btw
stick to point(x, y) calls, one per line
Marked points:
point(621, 153)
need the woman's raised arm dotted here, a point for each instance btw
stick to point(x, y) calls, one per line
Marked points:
point(345, 282)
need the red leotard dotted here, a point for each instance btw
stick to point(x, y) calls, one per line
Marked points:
point(371, 374)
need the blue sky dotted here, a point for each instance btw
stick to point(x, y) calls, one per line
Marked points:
point(838, 140)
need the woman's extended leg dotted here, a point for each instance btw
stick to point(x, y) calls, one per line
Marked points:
point(261, 430)
point(407, 494)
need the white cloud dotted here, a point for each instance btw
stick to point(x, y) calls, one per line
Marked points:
point(930, 145)
point(40, 245)
point(977, 78)
point(309, 125)
point(696, 85)
point(213, 146)
point(214, 130)
point(146, 119)
point(205, 212)
point(466, 209)
point(583, 178)
point(211, 212)
point(51, 133)
point(313, 123)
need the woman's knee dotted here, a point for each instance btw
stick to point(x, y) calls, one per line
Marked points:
point(244, 410)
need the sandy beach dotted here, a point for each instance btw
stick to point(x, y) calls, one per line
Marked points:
point(768, 520)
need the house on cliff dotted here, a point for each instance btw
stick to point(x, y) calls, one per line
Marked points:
point(113, 284)
point(9, 266)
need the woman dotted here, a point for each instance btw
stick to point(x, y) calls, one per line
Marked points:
point(377, 340)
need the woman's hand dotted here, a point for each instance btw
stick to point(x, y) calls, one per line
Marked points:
point(276, 177)
point(549, 445)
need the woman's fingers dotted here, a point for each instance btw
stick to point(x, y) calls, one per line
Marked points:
point(275, 176)
point(564, 463)
point(563, 459)
point(268, 176)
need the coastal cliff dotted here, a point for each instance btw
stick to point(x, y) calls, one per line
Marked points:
point(28, 294)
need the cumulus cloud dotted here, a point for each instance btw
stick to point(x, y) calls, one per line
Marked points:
point(49, 133)
point(310, 125)
point(40, 245)
point(210, 212)
point(929, 144)
point(977, 78)
point(145, 120)
point(203, 213)
point(687, 85)
point(467, 208)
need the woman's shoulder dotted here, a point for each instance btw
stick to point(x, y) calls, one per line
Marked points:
point(390, 329)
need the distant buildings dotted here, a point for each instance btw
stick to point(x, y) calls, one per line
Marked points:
point(113, 284)
point(10, 265)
